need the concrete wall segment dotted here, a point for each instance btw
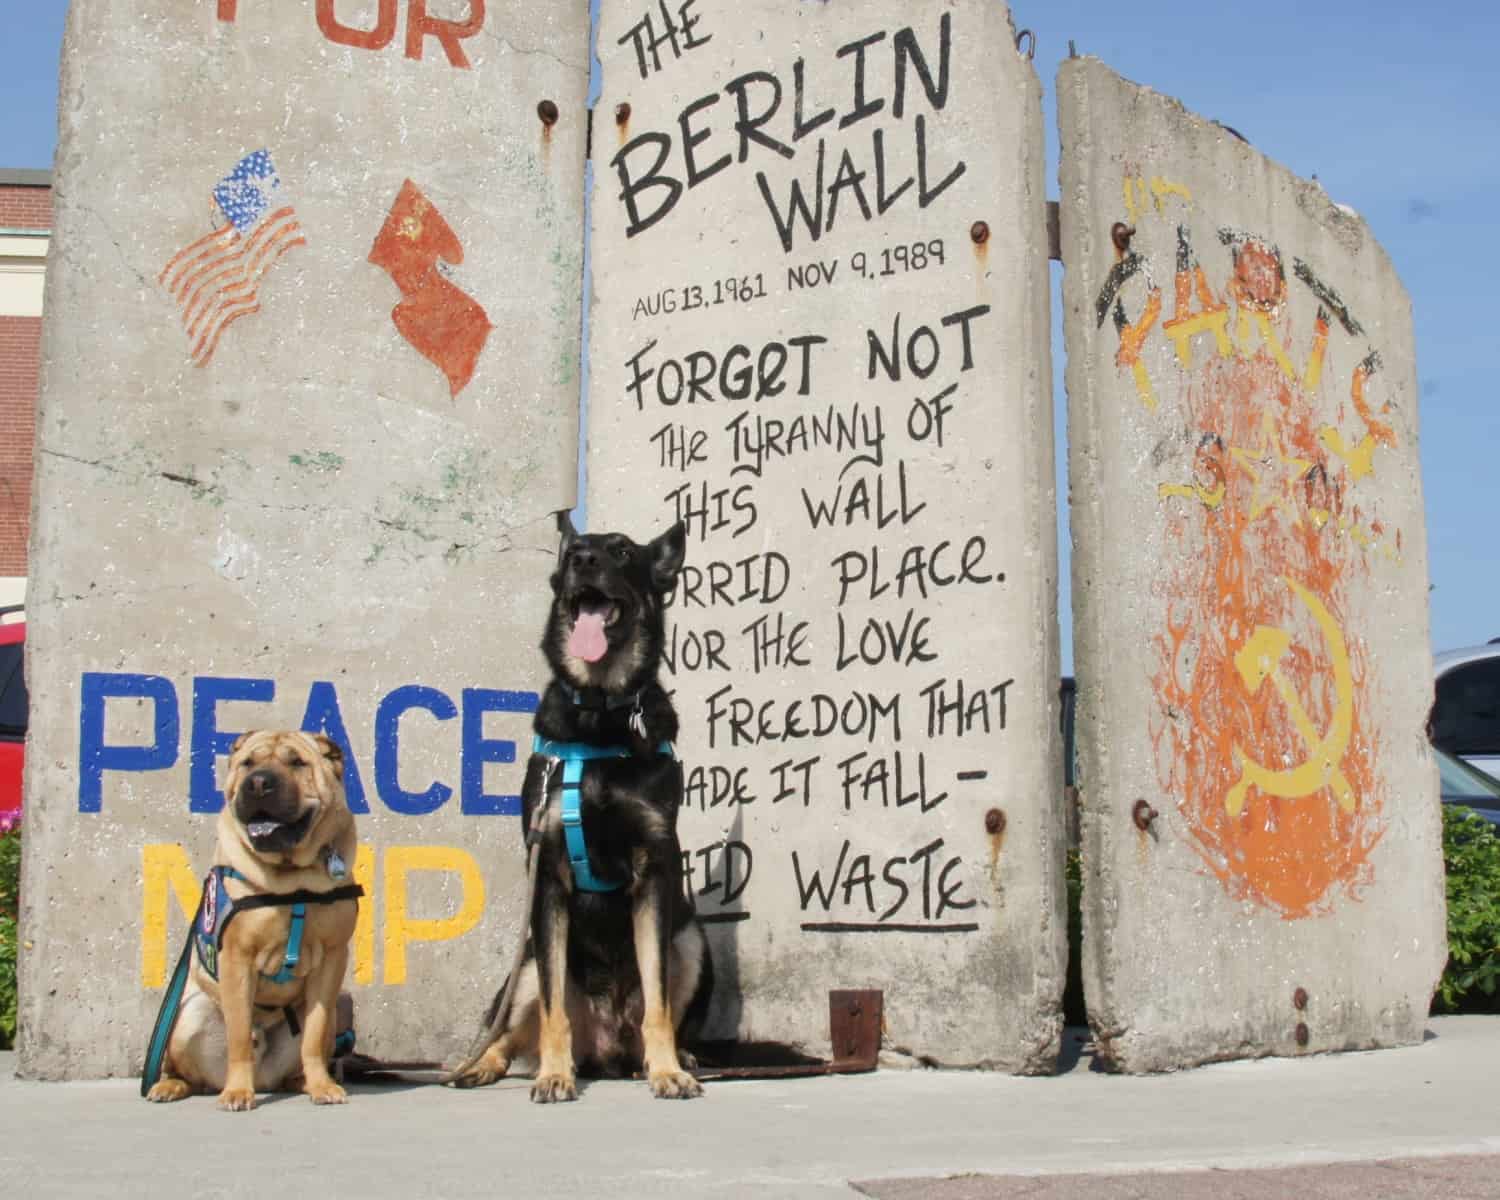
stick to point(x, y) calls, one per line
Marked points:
point(1249, 583)
point(777, 185)
point(330, 503)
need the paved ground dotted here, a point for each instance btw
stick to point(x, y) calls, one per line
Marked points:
point(1431, 1113)
point(1462, 1178)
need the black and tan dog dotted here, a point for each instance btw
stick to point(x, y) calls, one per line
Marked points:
point(617, 962)
point(258, 1010)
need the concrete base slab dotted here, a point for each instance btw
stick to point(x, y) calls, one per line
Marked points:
point(787, 1138)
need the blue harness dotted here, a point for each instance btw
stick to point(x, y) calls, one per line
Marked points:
point(218, 907)
point(573, 755)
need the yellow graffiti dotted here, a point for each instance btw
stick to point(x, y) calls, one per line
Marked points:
point(1268, 495)
point(364, 926)
point(1250, 322)
point(401, 930)
point(1132, 338)
point(166, 871)
point(1257, 661)
point(1361, 458)
point(1186, 324)
point(1152, 193)
point(167, 874)
point(1210, 498)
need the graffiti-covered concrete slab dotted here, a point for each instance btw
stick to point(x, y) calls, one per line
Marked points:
point(1261, 831)
point(819, 338)
point(308, 404)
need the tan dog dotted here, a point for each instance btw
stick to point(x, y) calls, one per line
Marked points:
point(285, 828)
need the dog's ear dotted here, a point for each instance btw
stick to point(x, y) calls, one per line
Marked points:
point(241, 740)
point(566, 534)
point(666, 554)
point(330, 750)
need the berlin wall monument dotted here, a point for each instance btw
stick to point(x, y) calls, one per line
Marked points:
point(309, 404)
point(1260, 816)
point(820, 339)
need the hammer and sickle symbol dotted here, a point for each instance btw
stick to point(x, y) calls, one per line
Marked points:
point(1258, 661)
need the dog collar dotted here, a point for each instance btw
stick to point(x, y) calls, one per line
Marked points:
point(597, 700)
point(573, 755)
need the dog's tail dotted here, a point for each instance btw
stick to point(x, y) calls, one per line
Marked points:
point(499, 1012)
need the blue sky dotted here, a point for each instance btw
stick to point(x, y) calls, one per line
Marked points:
point(1396, 109)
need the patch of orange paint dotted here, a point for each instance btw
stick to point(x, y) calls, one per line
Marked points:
point(1241, 577)
point(442, 322)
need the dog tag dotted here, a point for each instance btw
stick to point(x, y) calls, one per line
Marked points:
point(638, 723)
point(337, 867)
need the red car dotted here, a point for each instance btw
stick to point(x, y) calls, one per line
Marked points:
point(12, 715)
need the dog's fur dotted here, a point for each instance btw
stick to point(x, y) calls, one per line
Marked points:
point(231, 1033)
point(609, 978)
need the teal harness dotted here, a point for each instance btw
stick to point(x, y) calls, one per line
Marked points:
point(219, 906)
point(573, 755)
point(206, 935)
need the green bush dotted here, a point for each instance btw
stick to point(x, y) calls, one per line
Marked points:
point(10, 897)
point(1471, 857)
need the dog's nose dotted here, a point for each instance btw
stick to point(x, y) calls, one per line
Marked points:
point(260, 783)
point(585, 558)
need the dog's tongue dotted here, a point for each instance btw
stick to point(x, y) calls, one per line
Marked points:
point(587, 639)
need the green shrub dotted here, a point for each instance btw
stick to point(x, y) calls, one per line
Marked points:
point(10, 897)
point(1471, 857)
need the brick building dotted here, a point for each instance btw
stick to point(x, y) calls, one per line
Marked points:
point(25, 228)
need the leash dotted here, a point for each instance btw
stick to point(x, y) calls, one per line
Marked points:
point(502, 1010)
point(171, 1002)
point(171, 1005)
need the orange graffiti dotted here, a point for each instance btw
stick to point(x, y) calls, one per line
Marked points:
point(443, 323)
point(1260, 732)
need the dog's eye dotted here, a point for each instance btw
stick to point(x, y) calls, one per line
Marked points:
point(295, 761)
point(620, 552)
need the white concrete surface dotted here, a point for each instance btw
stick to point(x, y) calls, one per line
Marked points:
point(793, 1138)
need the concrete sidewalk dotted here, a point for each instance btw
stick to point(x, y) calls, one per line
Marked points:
point(808, 1137)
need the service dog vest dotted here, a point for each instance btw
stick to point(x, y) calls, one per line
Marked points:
point(219, 907)
point(206, 936)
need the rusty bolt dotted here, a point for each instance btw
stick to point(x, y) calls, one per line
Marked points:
point(622, 113)
point(994, 821)
point(1142, 814)
point(979, 232)
point(1120, 234)
point(1302, 1034)
point(1299, 999)
point(547, 110)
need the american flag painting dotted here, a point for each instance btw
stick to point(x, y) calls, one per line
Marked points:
point(214, 281)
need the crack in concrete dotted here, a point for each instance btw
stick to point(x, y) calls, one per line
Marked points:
point(114, 240)
point(529, 52)
point(100, 463)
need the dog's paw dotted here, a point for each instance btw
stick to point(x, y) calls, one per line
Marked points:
point(169, 1090)
point(490, 1067)
point(553, 1089)
point(674, 1085)
point(237, 1099)
point(479, 1075)
point(327, 1092)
